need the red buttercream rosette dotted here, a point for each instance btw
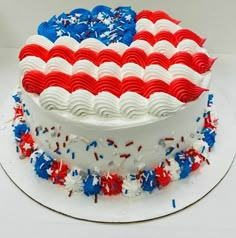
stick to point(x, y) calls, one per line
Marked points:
point(163, 176)
point(58, 172)
point(27, 145)
point(111, 184)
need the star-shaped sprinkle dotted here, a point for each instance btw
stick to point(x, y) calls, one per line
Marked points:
point(59, 33)
point(128, 17)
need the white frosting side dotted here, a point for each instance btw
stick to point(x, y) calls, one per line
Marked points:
point(120, 145)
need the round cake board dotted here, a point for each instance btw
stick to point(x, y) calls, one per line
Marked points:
point(119, 209)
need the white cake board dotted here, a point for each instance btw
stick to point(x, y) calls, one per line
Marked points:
point(120, 209)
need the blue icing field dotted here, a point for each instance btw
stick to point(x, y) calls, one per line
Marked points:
point(102, 23)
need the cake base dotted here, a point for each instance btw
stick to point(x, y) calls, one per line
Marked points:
point(175, 197)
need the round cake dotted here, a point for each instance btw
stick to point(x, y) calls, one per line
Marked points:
point(114, 101)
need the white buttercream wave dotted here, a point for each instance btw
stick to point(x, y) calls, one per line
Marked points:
point(162, 105)
point(54, 98)
point(145, 24)
point(162, 46)
point(130, 105)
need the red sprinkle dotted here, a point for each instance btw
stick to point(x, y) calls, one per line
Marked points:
point(64, 144)
point(52, 128)
point(168, 162)
point(129, 143)
point(67, 138)
point(110, 141)
point(58, 134)
point(70, 193)
point(177, 145)
point(139, 148)
point(96, 155)
point(169, 138)
point(182, 139)
point(57, 144)
point(208, 162)
point(125, 156)
point(96, 198)
point(115, 145)
point(209, 149)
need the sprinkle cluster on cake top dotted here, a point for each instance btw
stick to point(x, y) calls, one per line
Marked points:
point(102, 23)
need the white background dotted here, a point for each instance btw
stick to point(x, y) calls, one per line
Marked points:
point(215, 214)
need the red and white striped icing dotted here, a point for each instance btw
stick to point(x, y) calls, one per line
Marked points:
point(163, 59)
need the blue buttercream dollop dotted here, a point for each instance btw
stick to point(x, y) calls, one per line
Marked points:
point(148, 180)
point(101, 23)
point(209, 136)
point(42, 164)
point(19, 130)
point(185, 163)
point(92, 185)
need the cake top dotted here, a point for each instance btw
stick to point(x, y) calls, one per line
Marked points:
point(115, 64)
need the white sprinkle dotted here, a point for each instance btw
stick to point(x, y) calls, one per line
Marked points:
point(84, 139)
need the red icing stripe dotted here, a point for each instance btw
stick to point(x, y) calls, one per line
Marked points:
point(184, 90)
point(62, 52)
point(175, 38)
point(34, 50)
point(155, 16)
point(35, 82)
point(199, 62)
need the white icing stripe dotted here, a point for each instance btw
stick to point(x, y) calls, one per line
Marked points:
point(145, 24)
point(162, 46)
point(106, 105)
point(112, 69)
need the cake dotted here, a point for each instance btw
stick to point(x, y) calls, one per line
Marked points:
point(113, 101)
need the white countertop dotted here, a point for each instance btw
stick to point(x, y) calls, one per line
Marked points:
point(213, 215)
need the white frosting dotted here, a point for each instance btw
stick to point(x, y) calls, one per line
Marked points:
point(144, 133)
point(145, 24)
point(131, 187)
point(173, 167)
point(106, 105)
point(73, 182)
point(161, 105)
point(54, 98)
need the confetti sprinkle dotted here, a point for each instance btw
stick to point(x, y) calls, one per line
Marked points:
point(129, 143)
point(173, 203)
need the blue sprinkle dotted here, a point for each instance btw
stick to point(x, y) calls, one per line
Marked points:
point(173, 203)
point(203, 149)
point(58, 152)
point(68, 151)
point(204, 114)
point(87, 147)
point(126, 191)
point(198, 119)
point(23, 104)
point(169, 151)
point(94, 143)
point(17, 149)
point(110, 143)
point(27, 112)
point(101, 156)
point(73, 155)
